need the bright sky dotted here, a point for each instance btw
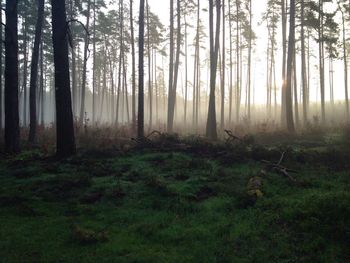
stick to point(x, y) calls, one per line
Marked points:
point(161, 8)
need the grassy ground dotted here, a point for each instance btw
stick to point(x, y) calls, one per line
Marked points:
point(177, 205)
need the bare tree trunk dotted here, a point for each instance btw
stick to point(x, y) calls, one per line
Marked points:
point(238, 100)
point(231, 67)
point(34, 72)
point(284, 60)
point(42, 84)
point(25, 71)
point(303, 62)
point(12, 132)
point(1, 89)
point(291, 50)
point(150, 94)
point(186, 71)
point(321, 60)
point(133, 68)
point(140, 121)
point(64, 116)
point(250, 58)
point(211, 130)
point(73, 70)
point(223, 68)
point(171, 65)
point(345, 60)
point(172, 95)
point(84, 80)
point(94, 67)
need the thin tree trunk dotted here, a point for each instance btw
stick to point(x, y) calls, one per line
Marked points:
point(25, 72)
point(133, 68)
point(84, 80)
point(1, 89)
point(345, 60)
point(321, 60)
point(291, 50)
point(140, 121)
point(171, 66)
point(284, 60)
point(223, 68)
point(34, 72)
point(211, 130)
point(94, 67)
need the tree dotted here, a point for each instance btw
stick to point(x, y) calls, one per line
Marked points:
point(64, 116)
point(303, 62)
point(345, 57)
point(1, 90)
point(12, 132)
point(140, 121)
point(133, 68)
point(84, 77)
point(211, 130)
point(290, 61)
point(34, 73)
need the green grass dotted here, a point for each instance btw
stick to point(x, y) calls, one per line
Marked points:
point(173, 207)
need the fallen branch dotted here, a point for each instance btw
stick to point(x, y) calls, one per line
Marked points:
point(278, 168)
point(232, 136)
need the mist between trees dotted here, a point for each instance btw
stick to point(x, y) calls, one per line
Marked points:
point(212, 65)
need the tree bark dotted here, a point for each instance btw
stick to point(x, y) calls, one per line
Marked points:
point(64, 116)
point(12, 132)
point(84, 80)
point(291, 50)
point(34, 73)
point(133, 68)
point(211, 130)
point(140, 121)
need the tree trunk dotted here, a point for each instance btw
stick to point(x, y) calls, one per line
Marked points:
point(64, 116)
point(284, 59)
point(140, 121)
point(250, 59)
point(303, 62)
point(133, 68)
point(34, 72)
point(150, 94)
point(94, 67)
point(12, 131)
point(345, 58)
point(211, 130)
point(171, 64)
point(223, 68)
point(86, 48)
point(291, 50)
point(25, 71)
point(321, 60)
point(1, 90)
point(74, 70)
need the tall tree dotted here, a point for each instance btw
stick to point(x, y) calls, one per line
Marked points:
point(1, 90)
point(12, 132)
point(345, 58)
point(34, 73)
point(211, 130)
point(290, 61)
point(133, 68)
point(140, 120)
point(174, 67)
point(84, 76)
point(171, 64)
point(64, 115)
point(303, 62)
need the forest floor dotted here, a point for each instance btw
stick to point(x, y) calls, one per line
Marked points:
point(179, 204)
